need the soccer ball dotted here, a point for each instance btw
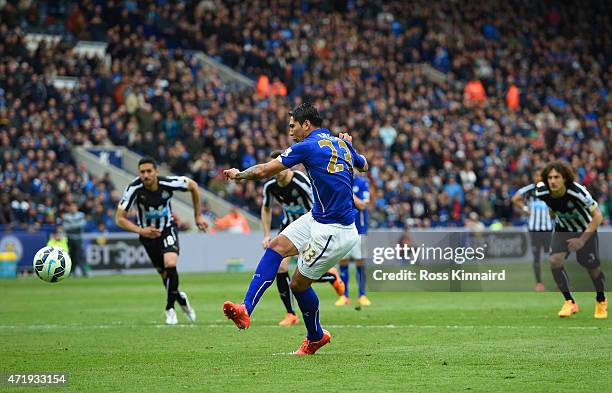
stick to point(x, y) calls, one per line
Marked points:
point(52, 264)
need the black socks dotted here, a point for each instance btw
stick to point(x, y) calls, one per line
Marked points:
point(282, 283)
point(172, 283)
point(562, 281)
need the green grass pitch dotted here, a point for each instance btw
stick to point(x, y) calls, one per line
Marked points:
point(108, 334)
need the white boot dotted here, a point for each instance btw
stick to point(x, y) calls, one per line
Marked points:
point(187, 309)
point(171, 317)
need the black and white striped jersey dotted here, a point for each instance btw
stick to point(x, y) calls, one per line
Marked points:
point(573, 210)
point(539, 216)
point(295, 198)
point(153, 207)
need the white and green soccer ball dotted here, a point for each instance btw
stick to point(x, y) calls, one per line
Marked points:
point(52, 264)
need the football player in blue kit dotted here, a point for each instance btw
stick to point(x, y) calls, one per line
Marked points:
point(320, 237)
point(361, 197)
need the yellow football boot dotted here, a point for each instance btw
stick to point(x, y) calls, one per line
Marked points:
point(343, 301)
point(569, 308)
point(364, 301)
point(601, 310)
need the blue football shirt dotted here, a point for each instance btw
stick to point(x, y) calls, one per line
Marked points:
point(329, 162)
point(361, 189)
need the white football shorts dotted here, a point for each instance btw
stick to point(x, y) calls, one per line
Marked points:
point(356, 252)
point(320, 246)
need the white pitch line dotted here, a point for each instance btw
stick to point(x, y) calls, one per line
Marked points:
point(282, 354)
point(229, 325)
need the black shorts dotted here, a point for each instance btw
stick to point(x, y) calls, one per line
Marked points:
point(156, 248)
point(587, 256)
point(540, 239)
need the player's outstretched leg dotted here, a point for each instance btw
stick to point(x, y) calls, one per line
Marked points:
point(238, 314)
point(309, 305)
point(338, 284)
point(262, 279)
point(333, 277)
point(183, 300)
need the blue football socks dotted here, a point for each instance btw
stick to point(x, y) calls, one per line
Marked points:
point(361, 280)
point(263, 278)
point(344, 275)
point(309, 305)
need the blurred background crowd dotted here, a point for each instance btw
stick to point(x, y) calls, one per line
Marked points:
point(455, 104)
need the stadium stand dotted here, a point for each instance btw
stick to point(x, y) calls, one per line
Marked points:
point(454, 105)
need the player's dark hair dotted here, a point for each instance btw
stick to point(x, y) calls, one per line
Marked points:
point(307, 111)
point(564, 170)
point(275, 153)
point(147, 160)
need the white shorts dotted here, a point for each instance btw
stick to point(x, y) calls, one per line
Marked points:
point(355, 252)
point(320, 246)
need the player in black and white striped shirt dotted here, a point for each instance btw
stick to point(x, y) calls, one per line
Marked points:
point(540, 224)
point(150, 194)
point(293, 191)
point(577, 217)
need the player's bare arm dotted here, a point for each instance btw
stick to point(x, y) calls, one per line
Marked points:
point(122, 220)
point(360, 204)
point(577, 243)
point(517, 201)
point(266, 220)
point(345, 136)
point(256, 172)
point(193, 188)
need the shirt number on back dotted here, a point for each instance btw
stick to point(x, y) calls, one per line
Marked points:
point(333, 165)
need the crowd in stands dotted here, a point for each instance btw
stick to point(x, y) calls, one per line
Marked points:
point(38, 125)
point(516, 84)
point(38, 181)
